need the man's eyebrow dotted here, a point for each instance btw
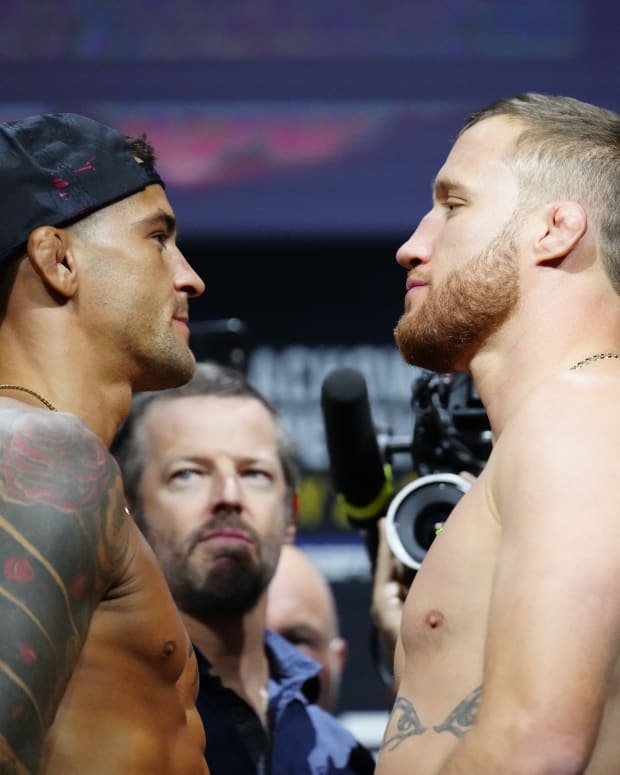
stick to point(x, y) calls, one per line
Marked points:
point(303, 632)
point(443, 186)
point(158, 218)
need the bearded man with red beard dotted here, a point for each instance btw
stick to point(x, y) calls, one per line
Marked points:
point(507, 659)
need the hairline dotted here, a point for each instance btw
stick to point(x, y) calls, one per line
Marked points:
point(129, 443)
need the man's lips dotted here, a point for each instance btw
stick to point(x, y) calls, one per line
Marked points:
point(412, 282)
point(182, 323)
point(226, 534)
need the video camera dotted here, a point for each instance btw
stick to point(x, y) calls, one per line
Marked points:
point(451, 434)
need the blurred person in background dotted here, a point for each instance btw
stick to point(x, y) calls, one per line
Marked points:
point(301, 608)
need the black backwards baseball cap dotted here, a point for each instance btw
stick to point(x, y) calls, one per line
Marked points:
point(56, 168)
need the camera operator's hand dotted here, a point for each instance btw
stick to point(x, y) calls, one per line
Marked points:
point(390, 586)
point(467, 476)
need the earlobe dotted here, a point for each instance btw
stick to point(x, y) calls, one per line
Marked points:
point(339, 649)
point(566, 224)
point(52, 260)
point(290, 532)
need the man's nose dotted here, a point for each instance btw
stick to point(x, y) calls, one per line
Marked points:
point(225, 490)
point(187, 279)
point(419, 247)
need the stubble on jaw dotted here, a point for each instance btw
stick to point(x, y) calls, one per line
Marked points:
point(444, 331)
point(226, 583)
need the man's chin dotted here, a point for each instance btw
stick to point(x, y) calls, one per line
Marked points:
point(168, 374)
point(423, 355)
point(408, 343)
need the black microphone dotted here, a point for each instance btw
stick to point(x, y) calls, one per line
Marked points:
point(362, 480)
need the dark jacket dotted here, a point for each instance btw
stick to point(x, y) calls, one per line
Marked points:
point(304, 739)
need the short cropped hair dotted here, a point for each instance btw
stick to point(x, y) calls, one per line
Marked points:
point(210, 379)
point(568, 149)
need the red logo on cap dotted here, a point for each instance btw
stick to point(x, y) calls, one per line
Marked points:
point(88, 167)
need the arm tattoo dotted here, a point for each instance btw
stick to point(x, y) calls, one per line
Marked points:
point(408, 724)
point(62, 540)
point(463, 716)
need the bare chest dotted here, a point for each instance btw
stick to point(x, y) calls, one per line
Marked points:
point(134, 687)
point(449, 599)
point(141, 621)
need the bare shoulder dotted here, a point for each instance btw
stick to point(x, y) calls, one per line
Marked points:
point(63, 543)
point(566, 430)
point(568, 402)
point(58, 481)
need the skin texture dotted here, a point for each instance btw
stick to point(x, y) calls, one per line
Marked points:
point(301, 607)
point(507, 658)
point(96, 667)
point(122, 305)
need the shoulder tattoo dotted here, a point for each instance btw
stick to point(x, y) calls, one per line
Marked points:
point(62, 539)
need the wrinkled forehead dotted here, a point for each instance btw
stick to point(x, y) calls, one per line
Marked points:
point(212, 424)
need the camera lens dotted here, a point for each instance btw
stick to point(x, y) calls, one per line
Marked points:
point(429, 521)
point(418, 511)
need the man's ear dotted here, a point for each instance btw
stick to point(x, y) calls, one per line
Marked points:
point(291, 529)
point(339, 650)
point(566, 223)
point(52, 260)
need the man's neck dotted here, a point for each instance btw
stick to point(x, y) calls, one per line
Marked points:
point(235, 648)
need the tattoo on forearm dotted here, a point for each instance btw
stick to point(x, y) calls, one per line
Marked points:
point(408, 724)
point(463, 716)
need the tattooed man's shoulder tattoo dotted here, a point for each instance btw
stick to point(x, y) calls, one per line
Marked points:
point(61, 542)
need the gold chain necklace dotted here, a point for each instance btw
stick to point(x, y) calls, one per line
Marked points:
point(31, 392)
point(593, 358)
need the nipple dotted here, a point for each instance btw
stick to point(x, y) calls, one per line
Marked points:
point(169, 648)
point(434, 619)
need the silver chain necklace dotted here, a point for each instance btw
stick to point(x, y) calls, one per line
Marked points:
point(593, 358)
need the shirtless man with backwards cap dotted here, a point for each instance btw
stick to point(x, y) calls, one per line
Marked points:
point(97, 674)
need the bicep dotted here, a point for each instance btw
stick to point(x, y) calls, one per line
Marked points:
point(61, 537)
point(399, 662)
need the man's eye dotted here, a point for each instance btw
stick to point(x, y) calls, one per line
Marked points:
point(184, 474)
point(161, 237)
point(255, 473)
point(302, 643)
